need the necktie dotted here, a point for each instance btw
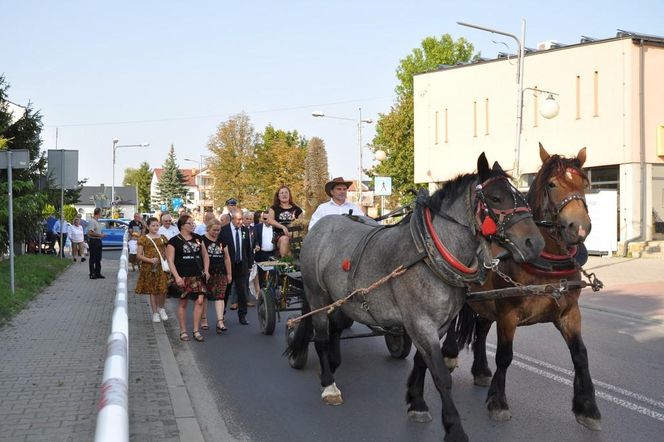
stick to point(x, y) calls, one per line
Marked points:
point(238, 255)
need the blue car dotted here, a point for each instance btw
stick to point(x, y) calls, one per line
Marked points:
point(114, 229)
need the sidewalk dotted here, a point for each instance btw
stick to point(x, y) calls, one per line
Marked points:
point(633, 287)
point(53, 356)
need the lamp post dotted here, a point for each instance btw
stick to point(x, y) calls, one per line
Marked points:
point(359, 123)
point(115, 147)
point(199, 178)
point(549, 107)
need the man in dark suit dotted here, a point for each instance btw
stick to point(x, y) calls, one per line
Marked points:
point(242, 258)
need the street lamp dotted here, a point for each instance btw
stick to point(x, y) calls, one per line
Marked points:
point(549, 108)
point(199, 178)
point(359, 122)
point(115, 147)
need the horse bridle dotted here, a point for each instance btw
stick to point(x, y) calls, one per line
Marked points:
point(494, 222)
point(556, 208)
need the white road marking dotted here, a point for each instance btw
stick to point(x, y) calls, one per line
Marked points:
point(606, 396)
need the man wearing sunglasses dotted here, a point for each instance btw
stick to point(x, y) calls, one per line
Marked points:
point(168, 229)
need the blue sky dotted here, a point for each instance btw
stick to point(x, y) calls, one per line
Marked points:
point(169, 72)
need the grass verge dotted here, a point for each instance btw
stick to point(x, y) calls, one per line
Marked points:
point(31, 274)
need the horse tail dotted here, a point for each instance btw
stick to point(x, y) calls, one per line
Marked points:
point(301, 336)
point(465, 326)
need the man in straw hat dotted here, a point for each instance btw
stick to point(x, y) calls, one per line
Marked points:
point(337, 189)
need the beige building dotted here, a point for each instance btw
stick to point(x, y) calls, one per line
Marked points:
point(611, 98)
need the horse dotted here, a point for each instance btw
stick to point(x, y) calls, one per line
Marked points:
point(557, 199)
point(440, 248)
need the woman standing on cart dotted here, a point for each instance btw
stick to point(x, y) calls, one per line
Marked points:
point(280, 215)
point(220, 270)
point(189, 263)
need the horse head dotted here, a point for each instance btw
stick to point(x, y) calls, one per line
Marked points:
point(503, 214)
point(557, 196)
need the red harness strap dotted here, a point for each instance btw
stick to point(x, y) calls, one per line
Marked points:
point(441, 247)
point(552, 273)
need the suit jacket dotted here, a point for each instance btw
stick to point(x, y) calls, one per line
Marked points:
point(247, 250)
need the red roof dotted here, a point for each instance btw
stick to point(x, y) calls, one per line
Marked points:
point(188, 174)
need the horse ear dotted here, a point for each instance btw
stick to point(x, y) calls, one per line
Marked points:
point(496, 167)
point(581, 156)
point(483, 167)
point(544, 155)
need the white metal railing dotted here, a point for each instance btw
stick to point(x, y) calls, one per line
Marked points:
point(113, 409)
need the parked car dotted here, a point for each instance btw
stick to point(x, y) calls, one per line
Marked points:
point(114, 230)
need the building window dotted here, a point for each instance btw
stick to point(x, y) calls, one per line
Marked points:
point(605, 177)
point(474, 119)
point(435, 132)
point(578, 97)
point(446, 127)
point(486, 116)
point(596, 94)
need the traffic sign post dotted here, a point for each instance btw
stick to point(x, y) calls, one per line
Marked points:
point(12, 159)
point(382, 187)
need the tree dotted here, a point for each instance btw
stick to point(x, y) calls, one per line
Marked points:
point(28, 201)
point(171, 183)
point(395, 130)
point(279, 160)
point(315, 175)
point(232, 163)
point(140, 178)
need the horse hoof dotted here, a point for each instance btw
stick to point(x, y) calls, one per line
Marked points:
point(500, 415)
point(589, 423)
point(333, 399)
point(332, 395)
point(451, 363)
point(421, 417)
point(482, 381)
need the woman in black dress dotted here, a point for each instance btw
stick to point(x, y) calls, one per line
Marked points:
point(282, 213)
point(220, 270)
point(189, 264)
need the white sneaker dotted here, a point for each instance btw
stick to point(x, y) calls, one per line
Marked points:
point(155, 317)
point(163, 315)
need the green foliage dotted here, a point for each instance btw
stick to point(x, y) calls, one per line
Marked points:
point(171, 183)
point(70, 212)
point(395, 130)
point(28, 201)
point(141, 179)
point(48, 210)
point(316, 174)
point(31, 274)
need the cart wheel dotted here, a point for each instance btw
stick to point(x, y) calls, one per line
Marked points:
point(267, 315)
point(398, 345)
point(299, 361)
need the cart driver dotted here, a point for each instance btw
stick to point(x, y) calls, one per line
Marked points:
point(337, 190)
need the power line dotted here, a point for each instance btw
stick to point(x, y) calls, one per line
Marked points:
point(201, 117)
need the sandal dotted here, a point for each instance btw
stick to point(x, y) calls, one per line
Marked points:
point(204, 323)
point(198, 337)
point(184, 336)
point(222, 328)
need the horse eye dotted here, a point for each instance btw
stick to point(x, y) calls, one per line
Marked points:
point(552, 184)
point(494, 199)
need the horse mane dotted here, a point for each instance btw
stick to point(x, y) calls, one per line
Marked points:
point(555, 166)
point(456, 185)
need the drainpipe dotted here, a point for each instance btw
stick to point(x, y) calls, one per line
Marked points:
point(642, 151)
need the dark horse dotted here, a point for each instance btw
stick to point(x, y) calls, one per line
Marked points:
point(443, 250)
point(557, 199)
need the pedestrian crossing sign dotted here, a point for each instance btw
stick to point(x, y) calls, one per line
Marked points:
point(383, 185)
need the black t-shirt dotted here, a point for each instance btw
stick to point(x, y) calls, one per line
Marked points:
point(286, 216)
point(215, 251)
point(186, 255)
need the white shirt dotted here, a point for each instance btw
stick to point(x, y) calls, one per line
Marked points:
point(170, 232)
point(201, 229)
point(75, 233)
point(56, 227)
point(239, 232)
point(332, 208)
point(266, 240)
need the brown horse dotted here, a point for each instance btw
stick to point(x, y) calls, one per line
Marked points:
point(557, 200)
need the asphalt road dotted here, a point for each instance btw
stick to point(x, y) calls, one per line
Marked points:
point(263, 399)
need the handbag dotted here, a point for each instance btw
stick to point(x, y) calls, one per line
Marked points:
point(164, 263)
